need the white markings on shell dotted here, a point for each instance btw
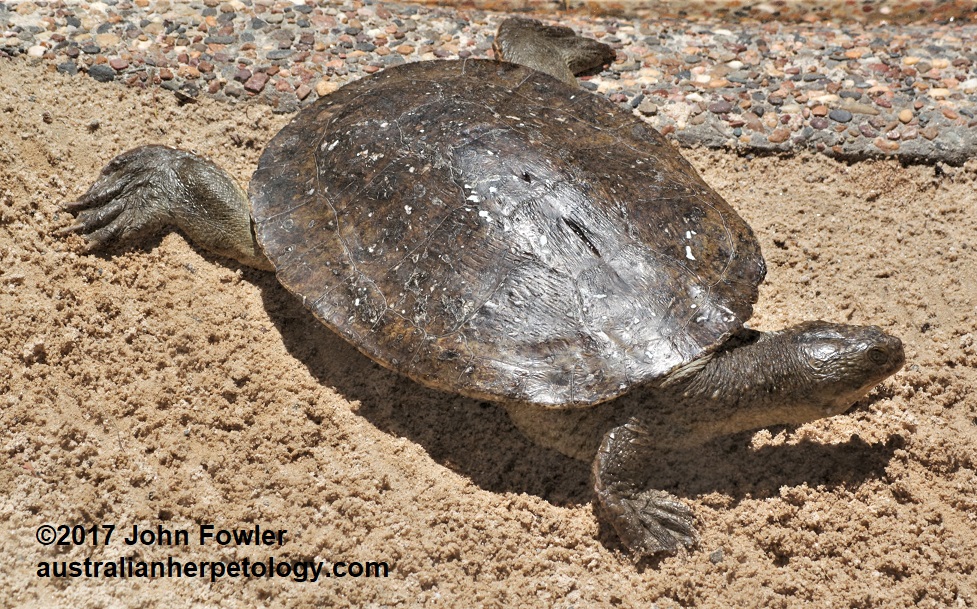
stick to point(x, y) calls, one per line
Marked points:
point(728, 315)
point(374, 157)
point(688, 253)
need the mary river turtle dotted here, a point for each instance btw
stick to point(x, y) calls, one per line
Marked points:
point(489, 228)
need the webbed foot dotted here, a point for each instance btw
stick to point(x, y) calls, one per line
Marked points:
point(128, 200)
point(648, 521)
point(150, 187)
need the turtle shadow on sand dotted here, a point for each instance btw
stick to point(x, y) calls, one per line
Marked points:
point(476, 438)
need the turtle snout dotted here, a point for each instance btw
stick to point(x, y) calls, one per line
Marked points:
point(898, 358)
point(888, 354)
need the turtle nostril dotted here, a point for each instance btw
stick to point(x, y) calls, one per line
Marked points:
point(891, 354)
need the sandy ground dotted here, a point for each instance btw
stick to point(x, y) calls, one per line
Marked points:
point(162, 386)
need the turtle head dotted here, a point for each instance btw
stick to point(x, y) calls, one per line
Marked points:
point(806, 372)
point(840, 363)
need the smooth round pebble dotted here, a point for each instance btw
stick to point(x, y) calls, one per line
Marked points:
point(101, 72)
point(839, 115)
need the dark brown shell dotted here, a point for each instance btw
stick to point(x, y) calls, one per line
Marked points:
point(489, 230)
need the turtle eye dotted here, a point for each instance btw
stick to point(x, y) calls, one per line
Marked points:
point(877, 355)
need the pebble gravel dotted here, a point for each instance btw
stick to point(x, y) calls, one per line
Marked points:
point(848, 89)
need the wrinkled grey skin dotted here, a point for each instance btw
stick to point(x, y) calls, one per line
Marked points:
point(151, 187)
point(752, 380)
point(559, 52)
point(807, 372)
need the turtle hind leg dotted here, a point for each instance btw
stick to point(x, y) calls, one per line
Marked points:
point(553, 49)
point(648, 521)
point(151, 187)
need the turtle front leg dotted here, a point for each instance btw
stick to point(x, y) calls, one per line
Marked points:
point(151, 187)
point(648, 521)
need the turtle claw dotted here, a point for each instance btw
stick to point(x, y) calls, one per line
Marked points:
point(115, 220)
point(127, 201)
point(648, 521)
point(149, 188)
point(93, 222)
point(106, 188)
point(661, 523)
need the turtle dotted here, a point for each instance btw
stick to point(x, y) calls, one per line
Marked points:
point(488, 227)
